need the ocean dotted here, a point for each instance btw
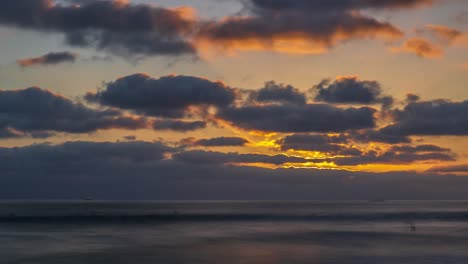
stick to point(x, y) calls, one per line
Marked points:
point(225, 232)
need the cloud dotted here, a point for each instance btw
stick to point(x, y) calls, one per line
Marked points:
point(338, 4)
point(299, 118)
point(115, 26)
point(292, 31)
point(421, 47)
point(438, 117)
point(72, 154)
point(398, 155)
point(168, 96)
point(334, 145)
point(450, 169)
point(278, 93)
point(140, 171)
point(351, 90)
point(302, 27)
point(412, 98)
point(444, 34)
point(222, 142)
point(35, 110)
point(418, 149)
point(8, 133)
point(210, 157)
point(178, 126)
point(372, 135)
point(52, 58)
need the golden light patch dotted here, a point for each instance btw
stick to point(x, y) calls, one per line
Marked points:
point(267, 144)
point(381, 168)
point(186, 12)
point(210, 49)
point(313, 165)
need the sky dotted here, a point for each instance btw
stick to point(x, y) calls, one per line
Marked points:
point(234, 99)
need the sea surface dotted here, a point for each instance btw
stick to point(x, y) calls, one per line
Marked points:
point(225, 232)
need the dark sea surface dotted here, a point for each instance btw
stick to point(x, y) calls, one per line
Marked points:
point(270, 232)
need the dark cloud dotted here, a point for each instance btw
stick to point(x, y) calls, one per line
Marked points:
point(35, 110)
point(351, 90)
point(52, 58)
point(178, 126)
point(222, 142)
point(370, 135)
point(412, 98)
point(85, 153)
point(299, 118)
point(333, 145)
point(125, 29)
point(450, 169)
point(438, 117)
point(278, 93)
point(308, 27)
point(338, 4)
point(398, 155)
point(138, 170)
point(169, 96)
point(418, 149)
point(209, 157)
point(8, 133)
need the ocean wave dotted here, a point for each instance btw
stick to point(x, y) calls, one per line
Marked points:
point(96, 217)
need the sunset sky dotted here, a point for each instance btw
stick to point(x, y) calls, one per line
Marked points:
point(234, 99)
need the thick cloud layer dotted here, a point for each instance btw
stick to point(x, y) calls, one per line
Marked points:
point(450, 169)
point(169, 96)
point(351, 90)
point(179, 126)
point(278, 93)
point(116, 26)
point(52, 58)
point(138, 170)
point(399, 155)
point(373, 135)
point(34, 109)
point(299, 118)
point(222, 142)
point(430, 118)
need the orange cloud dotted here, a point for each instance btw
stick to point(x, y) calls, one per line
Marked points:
point(444, 33)
point(421, 47)
point(292, 33)
point(49, 59)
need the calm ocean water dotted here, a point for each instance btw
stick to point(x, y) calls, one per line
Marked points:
point(233, 232)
